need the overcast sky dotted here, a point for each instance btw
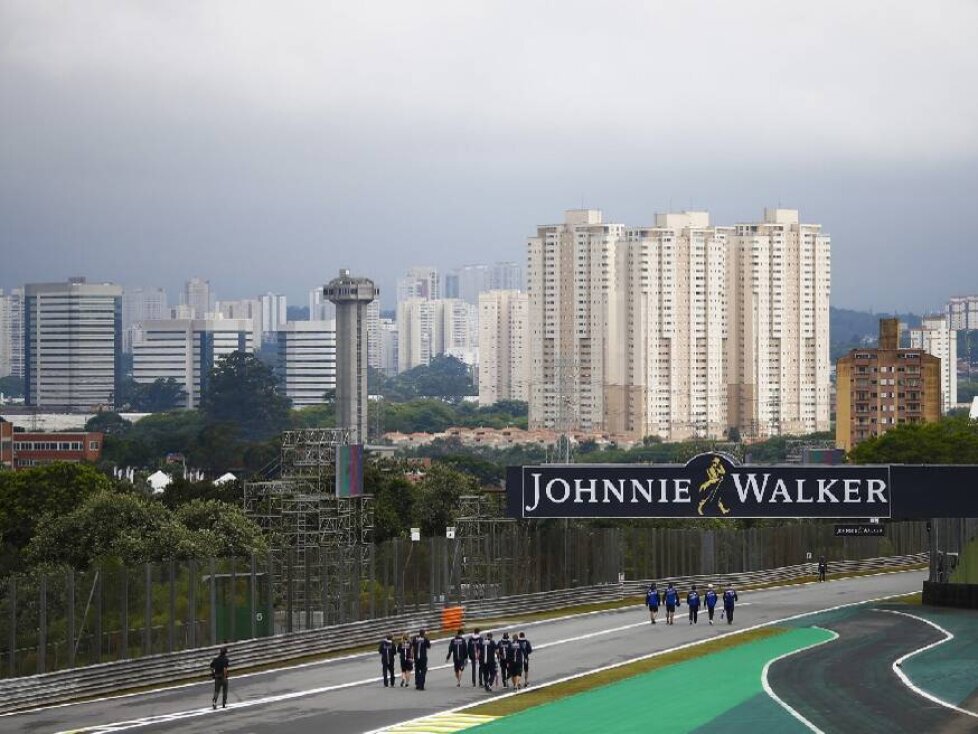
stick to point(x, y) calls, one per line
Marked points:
point(265, 145)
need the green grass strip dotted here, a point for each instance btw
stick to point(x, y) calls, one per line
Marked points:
point(679, 691)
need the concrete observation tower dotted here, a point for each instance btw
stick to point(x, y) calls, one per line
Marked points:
point(351, 296)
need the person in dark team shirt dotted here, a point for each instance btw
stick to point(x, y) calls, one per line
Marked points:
point(711, 601)
point(219, 670)
point(693, 602)
point(406, 652)
point(388, 653)
point(652, 602)
point(420, 646)
point(729, 600)
point(672, 601)
point(515, 662)
point(458, 651)
point(487, 661)
point(502, 651)
point(473, 650)
point(527, 648)
point(823, 567)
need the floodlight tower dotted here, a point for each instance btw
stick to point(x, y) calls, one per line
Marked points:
point(351, 296)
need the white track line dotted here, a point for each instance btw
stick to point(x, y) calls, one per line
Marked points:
point(770, 691)
point(898, 663)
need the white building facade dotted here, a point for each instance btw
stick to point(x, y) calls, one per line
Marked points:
point(12, 333)
point(306, 365)
point(73, 344)
point(962, 313)
point(935, 336)
point(198, 297)
point(504, 363)
point(139, 305)
point(186, 350)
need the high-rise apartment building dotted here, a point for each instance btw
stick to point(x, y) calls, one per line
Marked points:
point(935, 337)
point(352, 296)
point(198, 296)
point(429, 328)
point(419, 282)
point(139, 305)
point(962, 313)
point(504, 365)
point(468, 281)
point(72, 344)
point(679, 330)
point(12, 333)
point(387, 342)
point(306, 365)
point(274, 314)
point(878, 389)
point(779, 283)
point(186, 350)
point(247, 308)
point(320, 307)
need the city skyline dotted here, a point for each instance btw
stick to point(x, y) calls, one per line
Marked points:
point(257, 150)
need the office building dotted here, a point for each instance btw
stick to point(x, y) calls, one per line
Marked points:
point(12, 333)
point(306, 365)
point(878, 389)
point(246, 308)
point(198, 297)
point(935, 337)
point(504, 366)
point(73, 344)
point(39, 449)
point(351, 296)
point(186, 350)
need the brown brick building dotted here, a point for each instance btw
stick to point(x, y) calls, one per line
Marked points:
point(6, 444)
point(877, 389)
point(38, 449)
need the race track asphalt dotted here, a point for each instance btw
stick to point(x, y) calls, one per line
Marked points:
point(850, 686)
point(346, 695)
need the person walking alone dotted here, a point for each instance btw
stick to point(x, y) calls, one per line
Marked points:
point(729, 601)
point(652, 602)
point(388, 653)
point(419, 647)
point(219, 670)
point(823, 567)
point(711, 601)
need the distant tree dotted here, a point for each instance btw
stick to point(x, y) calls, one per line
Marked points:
point(242, 391)
point(733, 434)
point(950, 441)
point(438, 499)
point(12, 387)
point(109, 423)
point(159, 396)
point(233, 532)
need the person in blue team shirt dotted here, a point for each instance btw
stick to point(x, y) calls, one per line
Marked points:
point(652, 602)
point(487, 661)
point(527, 648)
point(473, 650)
point(711, 601)
point(672, 601)
point(388, 653)
point(693, 602)
point(420, 644)
point(458, 651)
point(729, 600)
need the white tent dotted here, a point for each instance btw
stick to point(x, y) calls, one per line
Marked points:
point(974, 409)
point(224, 479)
point(159, 480)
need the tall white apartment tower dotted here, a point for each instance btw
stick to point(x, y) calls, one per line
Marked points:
point(73, 344)
point(198, 297)
point(420, 281)
point(274, 312)
point(664, 365)
point(503, 340)
point(12, 333)
point(962, 312)
point(351, 296)
point(936, 337)
point(139, 305)
point(779, 283)
point(570, 270)
point(415, 333)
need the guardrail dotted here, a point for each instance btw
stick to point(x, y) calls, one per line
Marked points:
point(109, 678)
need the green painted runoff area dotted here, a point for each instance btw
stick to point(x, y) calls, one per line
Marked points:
point(680, 697)
point(948, 670)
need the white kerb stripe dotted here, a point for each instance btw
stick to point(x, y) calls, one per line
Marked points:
point(898, 663)
point(777, 699)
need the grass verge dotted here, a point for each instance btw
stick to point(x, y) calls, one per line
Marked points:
point(548, 694)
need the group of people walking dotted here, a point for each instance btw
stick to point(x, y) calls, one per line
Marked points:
point(670, 599)
point(506, 661)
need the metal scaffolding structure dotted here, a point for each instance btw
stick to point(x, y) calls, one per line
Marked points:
point(319, 539)
point(481, 551)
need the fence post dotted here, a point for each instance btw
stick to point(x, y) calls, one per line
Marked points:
point(232, 592)
point(288, 589)
point(124, 614)
point(252, 598)
point(148, 612)
point(42, 628)
point(192, 601)
point(306, 589)
point(71, 618)
point(98, 614)
point(171, 625)
point(13, 626)
point(212, 583)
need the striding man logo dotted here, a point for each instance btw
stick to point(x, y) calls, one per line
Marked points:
point(709, 490)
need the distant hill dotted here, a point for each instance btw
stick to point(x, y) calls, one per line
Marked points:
point(849, 329)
